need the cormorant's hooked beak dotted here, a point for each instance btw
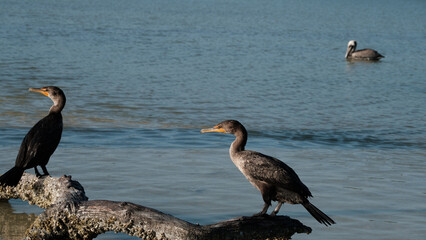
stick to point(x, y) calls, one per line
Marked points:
point(213, 129)
point(43, 91)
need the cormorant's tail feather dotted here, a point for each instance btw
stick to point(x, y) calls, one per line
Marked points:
point(318, 214)
point(12, 177)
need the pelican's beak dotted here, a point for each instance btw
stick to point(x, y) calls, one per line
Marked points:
point(43, 91)
point(213, 129)
point(349, 50)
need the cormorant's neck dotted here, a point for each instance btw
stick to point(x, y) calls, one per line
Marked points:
point(58, 105)
point(240, 141)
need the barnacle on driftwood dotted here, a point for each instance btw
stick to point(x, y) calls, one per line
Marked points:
point(70, 215)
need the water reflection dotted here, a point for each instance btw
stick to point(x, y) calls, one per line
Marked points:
point(353, 65)
point(13, 225)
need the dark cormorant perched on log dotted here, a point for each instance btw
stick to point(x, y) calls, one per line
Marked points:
point(41, 141)
point(363, 54)
point(274, 179)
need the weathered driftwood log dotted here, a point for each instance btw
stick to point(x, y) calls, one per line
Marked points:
point(45, 192)
point(69, 215)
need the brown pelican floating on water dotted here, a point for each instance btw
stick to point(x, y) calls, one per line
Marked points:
point(274, 179)
point(363, 54)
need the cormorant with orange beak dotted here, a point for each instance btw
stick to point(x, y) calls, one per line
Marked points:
point(41, 141)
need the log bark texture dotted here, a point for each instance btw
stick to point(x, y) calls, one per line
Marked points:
point(69, 215)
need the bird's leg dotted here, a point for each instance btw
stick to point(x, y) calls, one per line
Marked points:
point(37, 172)
point(277, 209)
point(265, 208)
point(46, 173)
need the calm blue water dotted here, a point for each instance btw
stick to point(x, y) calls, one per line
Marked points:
point(143, 77)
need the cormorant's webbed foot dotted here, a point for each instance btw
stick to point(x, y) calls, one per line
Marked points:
point(259, 214)
point(43, 175)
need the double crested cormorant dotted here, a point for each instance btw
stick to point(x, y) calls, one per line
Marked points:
point(41, 141)
point(274, 179)
point(363, 54)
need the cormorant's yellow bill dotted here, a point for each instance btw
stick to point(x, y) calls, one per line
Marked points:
point(43, 91)
point(213, 129)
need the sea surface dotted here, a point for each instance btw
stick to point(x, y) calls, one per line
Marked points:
point(143, 77)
